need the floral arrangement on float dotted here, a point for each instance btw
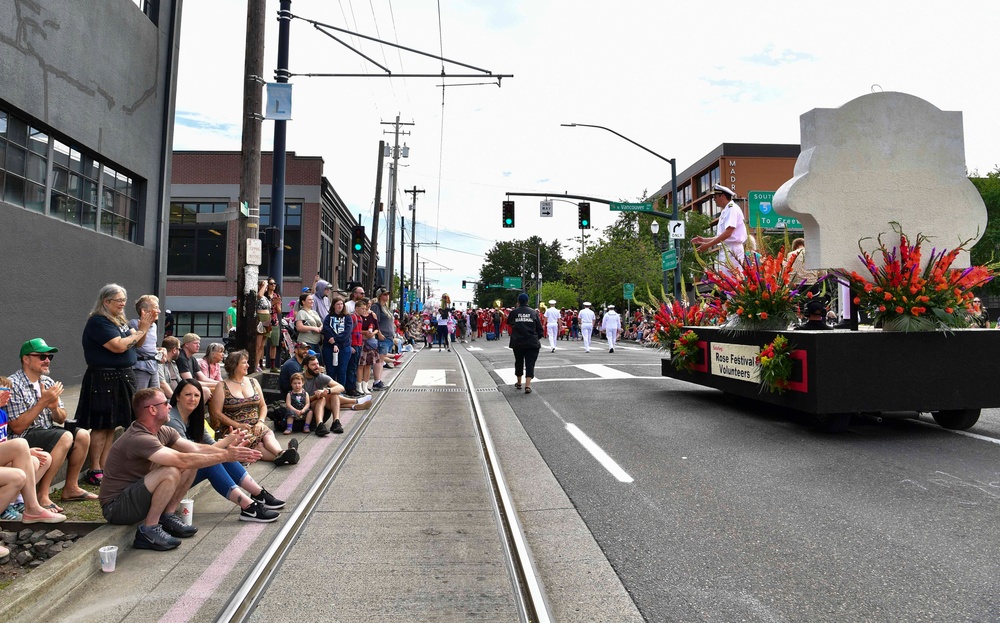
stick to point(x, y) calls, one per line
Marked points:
point(759, 292)
point(684, 353)
point(899, 295)
point(775, 364)
point(672, 316)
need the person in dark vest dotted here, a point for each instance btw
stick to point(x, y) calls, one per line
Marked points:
point(525, 333)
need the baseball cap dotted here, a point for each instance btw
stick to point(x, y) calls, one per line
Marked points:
point(301, 345)
point(36, 345)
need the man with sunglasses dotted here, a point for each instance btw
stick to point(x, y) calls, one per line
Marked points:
point(38, 415)
point(150, 469)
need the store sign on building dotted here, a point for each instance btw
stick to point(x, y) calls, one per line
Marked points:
point(762, 213)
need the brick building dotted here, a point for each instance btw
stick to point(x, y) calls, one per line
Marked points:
point(741, 166)
point(201, 256)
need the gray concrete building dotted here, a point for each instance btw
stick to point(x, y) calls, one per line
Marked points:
point(87, 94)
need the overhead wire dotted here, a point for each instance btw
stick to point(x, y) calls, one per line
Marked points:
point(437, 226)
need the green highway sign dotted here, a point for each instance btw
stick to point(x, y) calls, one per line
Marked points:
point(631, 207)
point(629, 290)
point(762, 212)
point(411, 296)
point(669, 259)
point(513, 283)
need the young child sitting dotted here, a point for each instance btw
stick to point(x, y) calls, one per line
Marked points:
point(297, 403)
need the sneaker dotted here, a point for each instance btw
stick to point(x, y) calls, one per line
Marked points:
point(11, 513)
point(268, 501)
point(611, 351)
point(154, 537)
point(94, 477)
point(293, 451)
point(175, 526)
point(257, 513)
point(387, 366)
point(377, 387)
point(322, 430)
point(46, 516)
point(363, 399)
point(337, 428)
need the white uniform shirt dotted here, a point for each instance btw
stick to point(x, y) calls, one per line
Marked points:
point(731, 249)
point(611, 320)
point(587, 317)
point(552, 317)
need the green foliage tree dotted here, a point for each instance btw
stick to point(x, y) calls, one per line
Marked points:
point(987, 249)
point(517, 258)
point(562, 293)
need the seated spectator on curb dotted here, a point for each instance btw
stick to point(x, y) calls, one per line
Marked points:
point(38, 415)
point(238, 403)
point(324, 395)
point(292, 366)
point(188, 366)
point(20, 469)
point(169, 374)
point(229, 479)
point(211, 365)
point(297, 405)
point(150, 469)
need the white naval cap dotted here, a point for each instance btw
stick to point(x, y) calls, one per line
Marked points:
point(552, 302)
point(611, 306)
point(586, 303)
point(719, 188)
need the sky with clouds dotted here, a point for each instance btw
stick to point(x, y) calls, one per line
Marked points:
point(679, 77)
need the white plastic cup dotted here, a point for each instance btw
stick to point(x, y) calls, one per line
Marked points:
point(186, 510)
point(109, 556)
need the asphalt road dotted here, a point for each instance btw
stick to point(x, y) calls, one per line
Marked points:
point(717, 509)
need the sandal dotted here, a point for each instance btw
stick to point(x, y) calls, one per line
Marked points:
point(288, 430)
point(517, 386)
point(94, 477)
point(54, 508)
point(527, 390)
point(86, 496)
point(305, 429)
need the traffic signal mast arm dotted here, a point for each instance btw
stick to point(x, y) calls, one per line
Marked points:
point(667, 215)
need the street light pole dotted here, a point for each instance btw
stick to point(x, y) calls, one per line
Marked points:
point(673, 189)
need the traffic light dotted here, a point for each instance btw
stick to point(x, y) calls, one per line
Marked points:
point(358, 238)
point(463, 284)
point(508, 213)
point(584, 213)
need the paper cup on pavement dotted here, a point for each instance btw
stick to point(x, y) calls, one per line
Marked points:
point(186, 510)
point(109, 556)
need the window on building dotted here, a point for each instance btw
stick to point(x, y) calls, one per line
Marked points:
point(78, 180)
point(714, 177)
point(708, 208)
point(292, 259)
point(195, 248)
point(345, 244)
point(205, 324)
point(327, 248)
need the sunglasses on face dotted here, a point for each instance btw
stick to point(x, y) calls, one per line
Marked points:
point(44, 356)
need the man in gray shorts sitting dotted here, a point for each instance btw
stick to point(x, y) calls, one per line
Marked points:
point(37, 414)
point(150, 469)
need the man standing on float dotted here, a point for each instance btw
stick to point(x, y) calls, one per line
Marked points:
point(731, 231)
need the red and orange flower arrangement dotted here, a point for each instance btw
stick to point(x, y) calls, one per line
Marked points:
point(673, 315)
point(684, 354)
point(899, 295)
point(760, 293)
point(775, 365)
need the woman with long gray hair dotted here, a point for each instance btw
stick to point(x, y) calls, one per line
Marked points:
point(109, 383)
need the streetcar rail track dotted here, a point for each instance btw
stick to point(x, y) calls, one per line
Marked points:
point(530, 599)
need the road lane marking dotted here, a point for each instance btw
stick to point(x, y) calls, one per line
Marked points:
point(431, 377)
point(602, 457)
point(603, 371)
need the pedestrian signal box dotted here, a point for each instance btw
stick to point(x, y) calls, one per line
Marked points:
point(358, 238)
point(584, 213)
point(508, 213)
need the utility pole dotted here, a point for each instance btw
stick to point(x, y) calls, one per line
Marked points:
point(392, 201)
point(248, 218)
point(373, 258)
point(277, 252)
point(413, 239)
point(402, 257)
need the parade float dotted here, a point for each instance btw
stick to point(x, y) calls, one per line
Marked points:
point(888, 212)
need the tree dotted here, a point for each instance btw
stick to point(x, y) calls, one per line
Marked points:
point(562, 293)
point(517, 258)
point(987, 249)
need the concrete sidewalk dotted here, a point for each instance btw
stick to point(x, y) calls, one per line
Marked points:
point(405, 531)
